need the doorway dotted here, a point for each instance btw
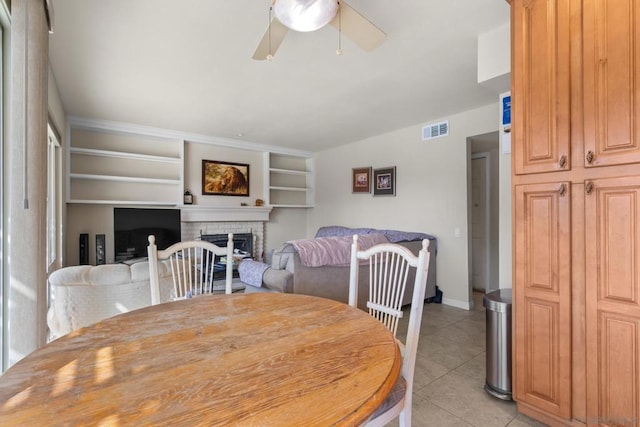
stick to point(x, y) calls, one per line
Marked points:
point(483, 215)
point(480, 226)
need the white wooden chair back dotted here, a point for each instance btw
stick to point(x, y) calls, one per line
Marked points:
point(192, 265)
point(389, 265)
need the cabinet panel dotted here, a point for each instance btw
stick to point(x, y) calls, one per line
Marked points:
point(541, 87)
point(611, 78)
point(541, 351)
point(542, 303)
point(612, 220)
point(618, 347)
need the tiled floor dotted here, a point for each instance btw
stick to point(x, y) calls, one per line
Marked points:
point(450, 372)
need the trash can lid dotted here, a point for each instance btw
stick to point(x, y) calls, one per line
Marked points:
point(499, 300)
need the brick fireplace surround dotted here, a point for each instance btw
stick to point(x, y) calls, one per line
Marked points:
point(198, 220)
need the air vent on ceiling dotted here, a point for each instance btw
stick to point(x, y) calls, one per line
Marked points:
point(435, 130)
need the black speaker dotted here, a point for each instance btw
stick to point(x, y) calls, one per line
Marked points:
point(100, 249)
point(84, 249)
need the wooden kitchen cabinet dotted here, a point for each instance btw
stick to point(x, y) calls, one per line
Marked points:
point(611, 82)
point(612, 240)
point(540, 89)
point(576, 275)
point(543, 296)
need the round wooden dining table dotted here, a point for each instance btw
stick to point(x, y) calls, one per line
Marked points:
point(242, 359)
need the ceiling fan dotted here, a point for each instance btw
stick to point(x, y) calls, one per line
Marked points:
point(310, 15)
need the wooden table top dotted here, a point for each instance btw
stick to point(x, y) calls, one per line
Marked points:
point(245, 359)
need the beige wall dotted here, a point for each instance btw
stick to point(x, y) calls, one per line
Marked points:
point(505, 270)
point(431, 190)
point(194, 153)
point(57, 115)
point(58, 118)
point(494, 268)
point(286, 224)
point(494, 58)
point(24, 325)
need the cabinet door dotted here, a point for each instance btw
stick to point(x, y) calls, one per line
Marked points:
point(612, 255)
point(540, 88)
point(611, 82)
point(542, 297)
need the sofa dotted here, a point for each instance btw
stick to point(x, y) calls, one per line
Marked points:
point(82, 295)
point(287, 273)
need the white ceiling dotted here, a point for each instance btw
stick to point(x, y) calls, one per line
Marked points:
point(186, 66)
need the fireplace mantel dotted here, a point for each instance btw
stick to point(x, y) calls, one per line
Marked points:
point(199, 213)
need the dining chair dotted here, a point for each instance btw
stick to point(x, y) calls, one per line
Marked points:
point(192, 265)
point(389, 266)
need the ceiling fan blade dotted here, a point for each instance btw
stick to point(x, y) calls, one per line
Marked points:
point(278, 31)
point(358, 28)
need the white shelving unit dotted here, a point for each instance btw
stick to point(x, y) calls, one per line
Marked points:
point(106, 167)
point(289, 181)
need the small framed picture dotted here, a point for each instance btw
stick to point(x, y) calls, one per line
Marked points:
point(361, 180)
point(384, 181)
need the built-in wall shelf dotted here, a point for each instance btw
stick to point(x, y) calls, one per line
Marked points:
point(124, 179)
point(290, 188)
point(116, 163)
point(289, 171)
point(292, 206)
point(122, 202)
point(109, 167)
point(124, 155)
point(289, 181)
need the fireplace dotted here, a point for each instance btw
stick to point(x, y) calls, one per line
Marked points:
point(241, 241)
point(198, 221)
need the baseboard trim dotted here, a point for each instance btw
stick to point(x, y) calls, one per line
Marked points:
point(465, 305)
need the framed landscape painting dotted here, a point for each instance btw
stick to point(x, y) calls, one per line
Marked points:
point(384, 181)
point(361, 180)
point(225, 178)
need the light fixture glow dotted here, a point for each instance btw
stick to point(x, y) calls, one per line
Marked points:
point(305, 15)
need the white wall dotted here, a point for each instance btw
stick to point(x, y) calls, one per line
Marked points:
point(431, 194)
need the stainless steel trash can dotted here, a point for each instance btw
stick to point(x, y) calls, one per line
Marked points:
point(498, 331)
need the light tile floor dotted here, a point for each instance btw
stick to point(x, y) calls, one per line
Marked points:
point(450, 372)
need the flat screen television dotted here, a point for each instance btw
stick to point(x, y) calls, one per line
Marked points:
point(132, 226)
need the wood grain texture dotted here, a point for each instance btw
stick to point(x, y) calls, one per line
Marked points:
point(542, 296)
point(255, 359)
point(611, 77)
point(612, 218)
point(541, 113)
point(602, 330)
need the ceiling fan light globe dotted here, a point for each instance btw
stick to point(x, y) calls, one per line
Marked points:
point(305, 15)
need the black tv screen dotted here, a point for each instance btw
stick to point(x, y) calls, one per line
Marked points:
point(132, 227)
